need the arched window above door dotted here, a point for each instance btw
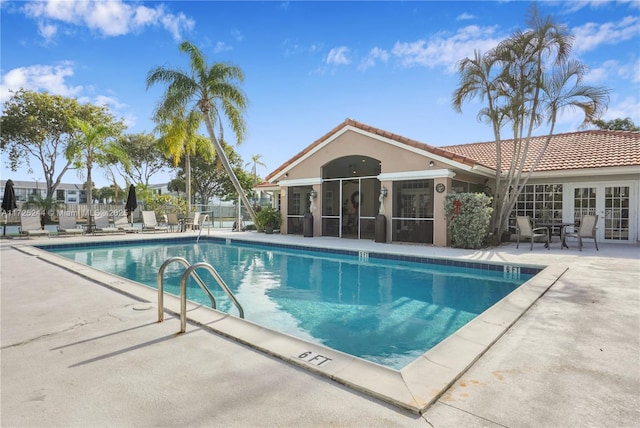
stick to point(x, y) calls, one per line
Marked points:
point(351, 167)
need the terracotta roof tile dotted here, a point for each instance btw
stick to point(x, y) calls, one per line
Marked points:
point(574, 150)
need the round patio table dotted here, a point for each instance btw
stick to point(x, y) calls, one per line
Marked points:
point(551, 227)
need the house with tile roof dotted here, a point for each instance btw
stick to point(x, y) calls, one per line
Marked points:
point(356, 172)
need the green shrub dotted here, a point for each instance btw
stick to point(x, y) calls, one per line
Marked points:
point(468, 216)
point(268, 217)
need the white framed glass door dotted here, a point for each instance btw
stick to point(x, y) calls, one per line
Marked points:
point(613, 204)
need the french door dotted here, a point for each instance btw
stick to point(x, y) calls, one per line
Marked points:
point(613, 203)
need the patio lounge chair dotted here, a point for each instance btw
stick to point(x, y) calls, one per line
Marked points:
point(67, 225)
point(30, 225)
point(587, 229)
point(101, 224)
point(122, 224)
point(525, 230)
point(149, 222)
point(173, 221)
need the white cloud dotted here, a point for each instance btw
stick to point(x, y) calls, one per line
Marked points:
point(590, 35)
point(108, 18)
point(626, 107)
point(613, 69)
point(465, 17)
point(446, 51)
point(39, 78)
point(236, 34)
point(338, 56)
point(221, 47)
point(47, 31)
point(376, 54)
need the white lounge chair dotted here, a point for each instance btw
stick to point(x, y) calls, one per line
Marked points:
point(149, 222)
point(67, 225)
point(525, 230)
point(30, 225)
point(101, 224)
point(121, 223)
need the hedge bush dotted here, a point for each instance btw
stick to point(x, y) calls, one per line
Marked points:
point(468, 216)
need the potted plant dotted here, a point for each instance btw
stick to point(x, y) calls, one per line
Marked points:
point(268, 219)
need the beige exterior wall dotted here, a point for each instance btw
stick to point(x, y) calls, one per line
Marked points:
point(399, 158)
point(394, 159)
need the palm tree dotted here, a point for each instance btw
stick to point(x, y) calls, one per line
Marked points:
point(255, 161)
point(527, 80)
point(178, 139)
point(90, 147)
point(212, 91)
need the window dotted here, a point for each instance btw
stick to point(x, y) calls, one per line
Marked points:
point(464, 187)
point(541, 202)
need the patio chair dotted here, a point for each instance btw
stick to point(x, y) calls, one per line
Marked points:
point(525, 230)
point(149, 222)
point(173, 221)
point(587, 229)
point(202, 219)
point(67, 225)
point(30, 225)
point(191, 222)
point(101, 224)
point(121, 223)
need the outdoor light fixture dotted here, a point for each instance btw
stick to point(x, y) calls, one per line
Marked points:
point(432, 164)
point(383, 192)
point(286, 174)
point(314, 194)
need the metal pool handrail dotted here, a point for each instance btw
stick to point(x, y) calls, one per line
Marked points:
point(199, 280)
point(183, 291)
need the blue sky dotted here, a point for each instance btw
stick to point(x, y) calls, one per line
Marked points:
point(308, 65)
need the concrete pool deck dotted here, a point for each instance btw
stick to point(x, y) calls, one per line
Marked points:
point(77, 354)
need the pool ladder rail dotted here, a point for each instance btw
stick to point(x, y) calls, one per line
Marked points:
point(191, 271)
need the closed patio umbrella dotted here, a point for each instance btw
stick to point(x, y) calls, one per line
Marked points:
point(8, 202)
point(132, 202)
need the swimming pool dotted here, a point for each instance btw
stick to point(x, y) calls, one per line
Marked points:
point(387, 310)
point(414, 387)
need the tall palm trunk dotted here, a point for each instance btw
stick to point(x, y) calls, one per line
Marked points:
point(225, 163)
point(187, 180)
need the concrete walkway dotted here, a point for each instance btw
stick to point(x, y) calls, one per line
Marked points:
point(76, 354)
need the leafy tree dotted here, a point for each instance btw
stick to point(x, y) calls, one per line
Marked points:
point(146, 158)
point(109, 193)
point(212, 91)
point(525, 82)
point(210, 178)
point(625, 124)
point(37, 125)
point(177, 185)
point(91, 146)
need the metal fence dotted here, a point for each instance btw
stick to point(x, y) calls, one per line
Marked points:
point(216, 212)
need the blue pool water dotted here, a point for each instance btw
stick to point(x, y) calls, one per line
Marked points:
point(385, 310)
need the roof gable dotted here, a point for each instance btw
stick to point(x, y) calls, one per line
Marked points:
point(373, 132)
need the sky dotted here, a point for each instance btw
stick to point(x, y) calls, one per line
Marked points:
point(308, 65)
